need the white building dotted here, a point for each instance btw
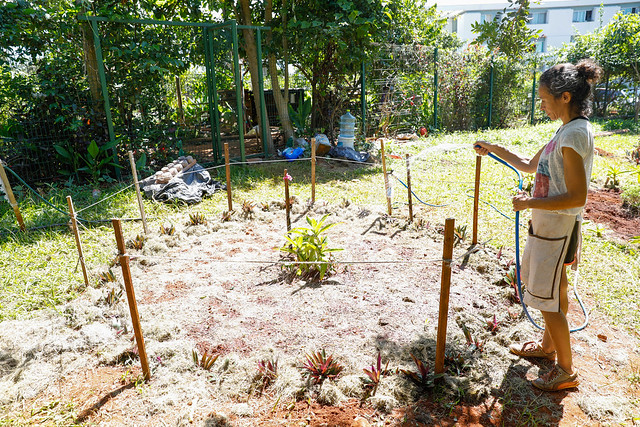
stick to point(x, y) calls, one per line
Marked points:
point(559, 20)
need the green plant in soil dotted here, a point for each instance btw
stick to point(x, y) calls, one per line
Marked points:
point(106, 277)
point(167, 229)
point(473, 343)
point(206, 361)
point(98, 162)
point(613, 178)
point(375, 374)
point(310, 249)
point(268, 371)
point(319, 367)
point(423, 377)
point(197, 218)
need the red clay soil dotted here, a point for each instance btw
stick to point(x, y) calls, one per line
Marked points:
point(605, 207)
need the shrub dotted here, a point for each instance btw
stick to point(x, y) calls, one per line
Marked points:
point(310, 249)
point(631, 197)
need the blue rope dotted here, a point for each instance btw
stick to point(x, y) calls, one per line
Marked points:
point(519, 283)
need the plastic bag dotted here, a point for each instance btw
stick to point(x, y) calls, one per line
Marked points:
point(348, 153)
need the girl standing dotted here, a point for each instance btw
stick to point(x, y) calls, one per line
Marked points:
point(563, 172)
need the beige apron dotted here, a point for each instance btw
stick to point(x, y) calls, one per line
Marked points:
point(543, 258)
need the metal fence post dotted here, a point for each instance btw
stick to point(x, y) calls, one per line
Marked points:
point(490, 94)
point(363, 102)
point(435, 88)
point(105, 92)
point(263, 107)
point(239, 89)
point(533, 96)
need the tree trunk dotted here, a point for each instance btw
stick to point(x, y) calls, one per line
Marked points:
point(252, 59)
point(281, 100)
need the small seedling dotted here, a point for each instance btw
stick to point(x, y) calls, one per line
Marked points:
point(423, 377)
point(268, 371)
point(113, 297)
point(493, 325)
point(321, 367)
point(207, 360)
point(266, 207)
point(106, 277)
point(197, 218)
point(459, 234)
point(455, 362)
point(612, 181)
point(309, 245)
point(375, 373)
point(138, 242)
point(226, 216)
point(248, 208)
point(167, 229)
point(472, 342)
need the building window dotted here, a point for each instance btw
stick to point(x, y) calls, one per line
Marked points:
point(630, 9)
point(487, 17)
point(453, 25)
point(541, 45)
point(584, 15)
point(538, 18)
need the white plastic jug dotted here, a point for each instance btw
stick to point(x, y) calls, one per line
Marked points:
point(347, 130)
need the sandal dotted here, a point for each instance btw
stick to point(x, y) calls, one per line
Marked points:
point(557, 379)
point(531, 349)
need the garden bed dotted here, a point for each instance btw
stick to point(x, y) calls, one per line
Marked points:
point(78, 364)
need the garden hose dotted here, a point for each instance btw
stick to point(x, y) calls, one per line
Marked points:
point(519, 283)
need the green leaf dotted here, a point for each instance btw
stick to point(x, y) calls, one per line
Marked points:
point(93, 149)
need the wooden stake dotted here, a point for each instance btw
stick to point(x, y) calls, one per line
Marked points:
point(286, 200)
point(134, 172)
point(409, 189)
point(445, 285)
point(12, 198)
point(74, 228)
point(131, 298)
point(386, 178)
point(476, 199)
point(227, 167)
point(313, 170)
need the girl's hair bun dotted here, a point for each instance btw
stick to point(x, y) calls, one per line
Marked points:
point(588, 69)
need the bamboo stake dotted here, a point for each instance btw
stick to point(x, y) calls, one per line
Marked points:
point(445, 285)
point(12, 198)
point(134, 171)
point(227, 167)
point(131, 298)
point(313, 170)
point(286, 200)
point(476, 199)
point(409, 189)
point(386, 178)
point(76, 234)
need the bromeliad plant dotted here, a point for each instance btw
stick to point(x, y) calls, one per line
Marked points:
point(197, 218)
point(321, 367)
point(268, 371)
point(206, 361)
point(167, 229)
point(375, 374)
point(474, 344)
point(423, 377)
point(310, 250)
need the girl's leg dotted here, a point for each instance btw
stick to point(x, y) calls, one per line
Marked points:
point(556, 334)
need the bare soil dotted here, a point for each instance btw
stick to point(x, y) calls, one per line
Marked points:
point(80, 365)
